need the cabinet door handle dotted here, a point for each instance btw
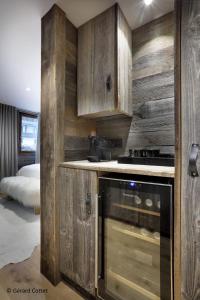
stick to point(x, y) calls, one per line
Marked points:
point(109, 83)
point(193, 160)
point(88, 201)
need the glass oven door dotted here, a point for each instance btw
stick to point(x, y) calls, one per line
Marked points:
point(135, 243)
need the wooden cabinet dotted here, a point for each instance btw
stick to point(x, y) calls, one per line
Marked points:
point(78, 192)
point(105, 65)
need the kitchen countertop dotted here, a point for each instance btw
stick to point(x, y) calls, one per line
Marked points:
point(114, 166)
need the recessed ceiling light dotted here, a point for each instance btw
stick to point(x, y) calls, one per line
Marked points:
point(148, 2)
point(28, 89)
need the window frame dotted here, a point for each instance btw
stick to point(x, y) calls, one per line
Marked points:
point(21, 115)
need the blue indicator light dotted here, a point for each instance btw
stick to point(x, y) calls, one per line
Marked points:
point(132, 184)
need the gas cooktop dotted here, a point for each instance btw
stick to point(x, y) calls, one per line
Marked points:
point(147, 157)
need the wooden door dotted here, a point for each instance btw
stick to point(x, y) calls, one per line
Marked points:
point(105, 40)
point(97, 65)
point(187, 205)
point(85, 68)
point(78, 191)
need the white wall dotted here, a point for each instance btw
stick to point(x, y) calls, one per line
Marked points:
point(20, 51)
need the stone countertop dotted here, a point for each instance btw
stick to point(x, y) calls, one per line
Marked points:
point(114, 166)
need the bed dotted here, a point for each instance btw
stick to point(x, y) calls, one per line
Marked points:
point(24, 187)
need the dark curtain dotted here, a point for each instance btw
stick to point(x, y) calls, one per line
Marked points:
point(8, 141)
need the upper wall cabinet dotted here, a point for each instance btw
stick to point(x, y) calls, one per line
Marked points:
point(105, 65)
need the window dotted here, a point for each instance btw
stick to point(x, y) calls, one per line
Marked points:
point(28, 132)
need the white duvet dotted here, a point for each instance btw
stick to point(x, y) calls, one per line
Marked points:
point(25, 187)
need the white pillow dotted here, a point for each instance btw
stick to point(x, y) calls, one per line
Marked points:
point(30, 171)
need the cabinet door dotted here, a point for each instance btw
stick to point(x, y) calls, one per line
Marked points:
point(104, 96)
point(77, 226)
point(124, 65)
point(97, 65)
point(85, 68)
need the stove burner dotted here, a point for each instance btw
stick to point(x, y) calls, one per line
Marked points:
point(144, 153)
point(147, 157)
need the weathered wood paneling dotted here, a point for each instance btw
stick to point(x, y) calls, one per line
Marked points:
point(97, 59)
point(104, 60)
point(115, 127)
point(105, 55)
point(163, 26)
point(152, 124)
point(189, 134)
point(152, 109)
point(52, 136)
point(156, 138)
point(153, 51)
point(124, 63)
point(85, 56)
point(77, 226)
point(177, 183)
point(148, 65)
point(76, 145)
point(76, 133)
point(154, 87)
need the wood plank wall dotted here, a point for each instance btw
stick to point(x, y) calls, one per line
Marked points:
point(152, 123)
point(76, 144)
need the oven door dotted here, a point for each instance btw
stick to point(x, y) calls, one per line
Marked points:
point(135, 243)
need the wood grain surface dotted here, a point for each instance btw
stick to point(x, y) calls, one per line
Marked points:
point(114, 166)
point(77, 130)
point(124, 64)
point(96, 61)
point(26, 276)
point(152, 124)
point(105, 51)
point(52, 136)
point(177, 183)
point(77, 226)
point(190, 133)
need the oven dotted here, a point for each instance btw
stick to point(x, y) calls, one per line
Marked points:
point(135, 239)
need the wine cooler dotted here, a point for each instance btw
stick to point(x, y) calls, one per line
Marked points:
point(135, 238)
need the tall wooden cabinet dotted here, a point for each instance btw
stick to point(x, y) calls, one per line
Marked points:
point(78, 192)
point(105, 65)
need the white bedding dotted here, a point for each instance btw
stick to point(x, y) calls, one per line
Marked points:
point(25, 187)
point(26, 190)
point(30, 171)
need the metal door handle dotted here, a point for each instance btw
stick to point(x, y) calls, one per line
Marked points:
point(193, 160)
point(109, 83)
point(88, 204)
